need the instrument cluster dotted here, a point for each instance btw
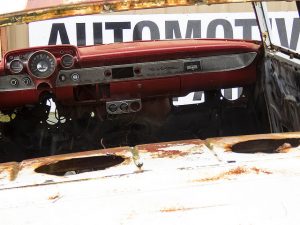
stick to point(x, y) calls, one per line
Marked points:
point(40, 64)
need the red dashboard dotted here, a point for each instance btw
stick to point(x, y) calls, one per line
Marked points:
point(130, 71)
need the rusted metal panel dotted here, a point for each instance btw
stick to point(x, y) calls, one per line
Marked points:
point(180, 156)
point(34, 10)
point(25, 11)
point(232, 180)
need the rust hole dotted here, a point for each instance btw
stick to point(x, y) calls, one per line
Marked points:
point(266, 146)
point(80, 165)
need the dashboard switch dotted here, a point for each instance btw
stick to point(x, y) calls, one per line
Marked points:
point(14, 82)
point(75, 76)
point(26, 81)
point(62, 78)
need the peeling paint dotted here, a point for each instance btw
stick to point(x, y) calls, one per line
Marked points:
point(172, 149)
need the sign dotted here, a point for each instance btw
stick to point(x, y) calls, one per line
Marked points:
point(100, 29)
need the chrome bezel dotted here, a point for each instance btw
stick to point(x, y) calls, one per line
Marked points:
point(61, 61)
point(18, 71)
point(36, 53)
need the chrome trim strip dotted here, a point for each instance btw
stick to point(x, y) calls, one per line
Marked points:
point(5, 84)
point(158, 69)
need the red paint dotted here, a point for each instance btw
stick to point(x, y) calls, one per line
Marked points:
point(64, 93)
point(145, 88)
point(135, 52)
point(10, 99)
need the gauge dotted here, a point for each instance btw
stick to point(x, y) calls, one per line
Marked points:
point(67, 61)
point(41, 64)
point(16, 66)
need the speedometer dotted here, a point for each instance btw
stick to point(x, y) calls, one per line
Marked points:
point(41, 64)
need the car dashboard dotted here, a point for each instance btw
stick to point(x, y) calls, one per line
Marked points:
point(62, 99)
point(121, 75)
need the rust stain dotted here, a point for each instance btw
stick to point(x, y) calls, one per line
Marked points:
point(170, 149)
point(42, 10)
point(54, 197)
point(257, 170)
point(285, 148)
point(9, 171)
point(227, 147)
point(174, 209)
point(236, 171)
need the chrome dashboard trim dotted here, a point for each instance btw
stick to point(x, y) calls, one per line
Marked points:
point(5, 83)
point(158, 69)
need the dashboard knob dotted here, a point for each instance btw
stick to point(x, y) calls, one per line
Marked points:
point(112, 107)
point(26, 81)
point(75, 76)
point(124, 107)
point(14, 82)
point(62, 78)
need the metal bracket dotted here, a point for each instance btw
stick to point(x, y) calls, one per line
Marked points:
point(263, 21)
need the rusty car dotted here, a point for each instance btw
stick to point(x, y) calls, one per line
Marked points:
point(117, 150)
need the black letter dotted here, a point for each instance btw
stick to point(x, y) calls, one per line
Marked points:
point(247, 25)
point(98, 37)
point(212, 27)
point(295, 33)
point(61, 29)
point(281, 26)
point(138, 30)
point(193, 26)
point(282, 32)
point(118, 28)
point(172, 29)
point(80, 31)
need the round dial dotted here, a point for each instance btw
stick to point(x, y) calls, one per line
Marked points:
point(67, 61)
point(16, 66)
point(42, 64)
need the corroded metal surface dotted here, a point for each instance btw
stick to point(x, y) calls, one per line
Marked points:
point(178, 182)
point(34, 10)
point(180, 156)
point(25, 11)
